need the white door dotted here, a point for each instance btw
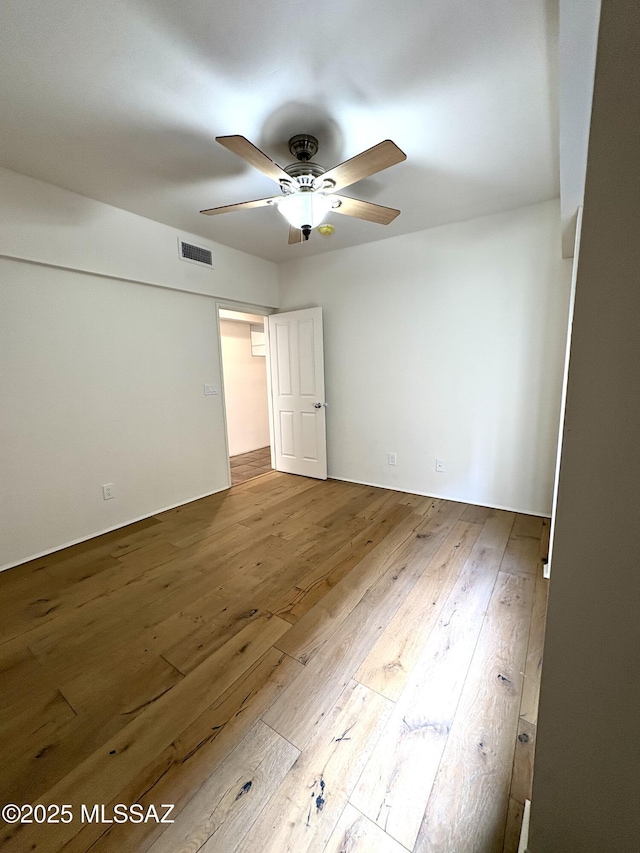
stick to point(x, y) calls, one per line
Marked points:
point(296, 357)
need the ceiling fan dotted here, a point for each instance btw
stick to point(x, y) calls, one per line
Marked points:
point(308, 191)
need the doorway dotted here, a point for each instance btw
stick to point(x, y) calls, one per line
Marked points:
point(243, 348)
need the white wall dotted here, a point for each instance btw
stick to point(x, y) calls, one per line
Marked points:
point(101, 379)
point(445, 343)
point(245, 389)
point(585, 792)
point(43, 223)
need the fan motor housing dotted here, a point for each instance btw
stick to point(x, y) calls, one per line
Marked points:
point(299, 170)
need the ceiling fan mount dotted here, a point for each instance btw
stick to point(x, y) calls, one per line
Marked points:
point(304, 146)
point(308, 190)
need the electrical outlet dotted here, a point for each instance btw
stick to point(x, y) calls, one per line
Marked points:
point(440, 466)
point(393, 459)
point(211, 390)
point(108, 491)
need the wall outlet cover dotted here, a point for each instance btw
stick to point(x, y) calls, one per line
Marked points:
point(108, 491)
point(211, 390)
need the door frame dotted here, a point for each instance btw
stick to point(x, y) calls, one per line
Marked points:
point(262, 311)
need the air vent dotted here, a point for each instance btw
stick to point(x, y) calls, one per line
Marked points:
point(195, 254)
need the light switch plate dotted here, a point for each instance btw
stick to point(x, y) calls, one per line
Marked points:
point(211, 390)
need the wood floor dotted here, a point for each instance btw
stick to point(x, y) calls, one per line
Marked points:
point(295, 665)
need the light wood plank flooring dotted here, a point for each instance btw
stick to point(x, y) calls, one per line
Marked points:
point(295, 665)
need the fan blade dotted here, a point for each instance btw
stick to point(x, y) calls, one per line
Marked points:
point(295, 235)
point(258, 159)
point(365, 210)
point(243, 205)
point(375, 159)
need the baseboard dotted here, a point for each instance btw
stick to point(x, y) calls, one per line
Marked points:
point(108, 530)
point(440, 497)
point(524, 831)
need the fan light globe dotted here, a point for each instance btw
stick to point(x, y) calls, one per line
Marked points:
point(304, 208)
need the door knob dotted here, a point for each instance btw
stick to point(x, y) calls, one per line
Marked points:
point(318, 405)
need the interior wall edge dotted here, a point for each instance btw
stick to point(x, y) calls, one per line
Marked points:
point(87, 271)
point(231, 304)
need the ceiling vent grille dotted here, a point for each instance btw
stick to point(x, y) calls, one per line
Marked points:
point(195, 254)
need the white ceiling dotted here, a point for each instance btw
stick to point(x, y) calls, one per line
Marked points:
point(122, 100)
